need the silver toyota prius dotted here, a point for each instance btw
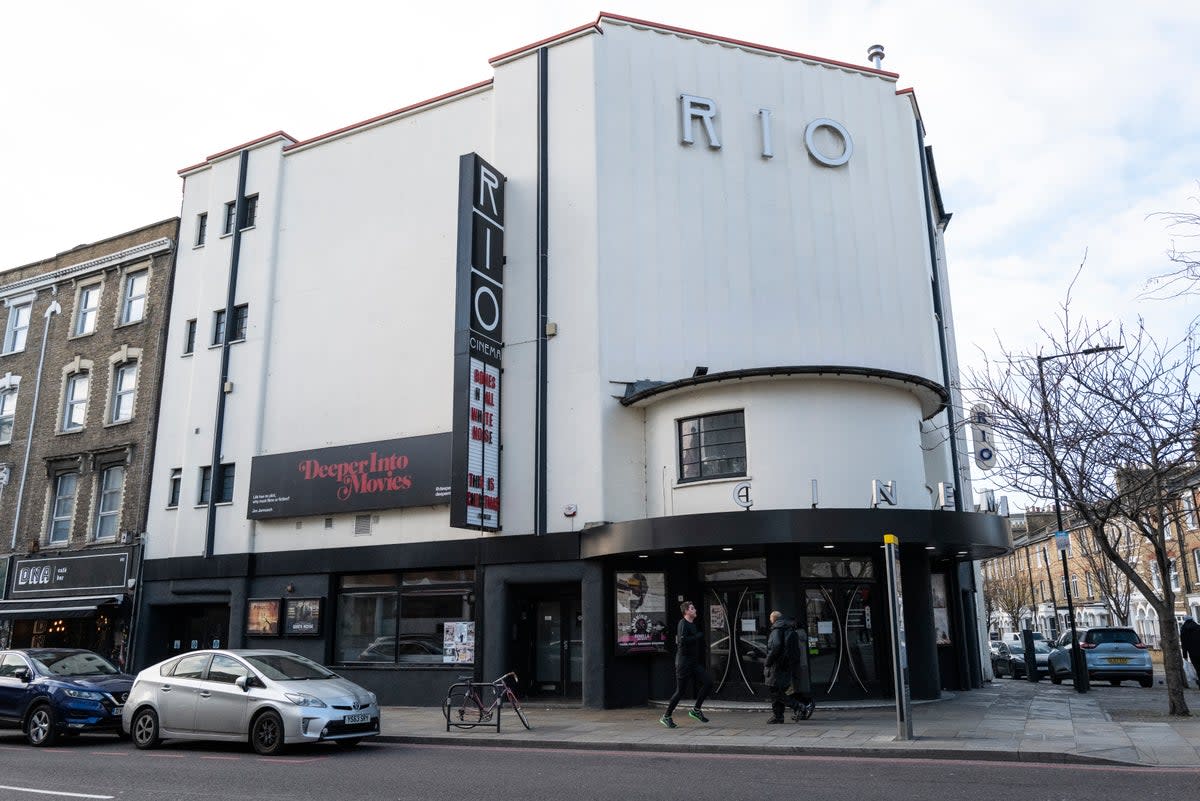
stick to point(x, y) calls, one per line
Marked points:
point(270, 698)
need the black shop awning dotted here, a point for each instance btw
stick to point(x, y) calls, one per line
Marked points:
point(54, 608)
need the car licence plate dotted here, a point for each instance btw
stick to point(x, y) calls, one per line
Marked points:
point(360, 718)
point(1118, 660)
point(117, 711)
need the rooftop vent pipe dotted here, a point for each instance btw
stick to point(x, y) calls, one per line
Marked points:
point(875, 53)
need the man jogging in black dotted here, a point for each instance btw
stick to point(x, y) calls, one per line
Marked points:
point(687, 666)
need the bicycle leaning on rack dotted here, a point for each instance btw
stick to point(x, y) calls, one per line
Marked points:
point(465, 707)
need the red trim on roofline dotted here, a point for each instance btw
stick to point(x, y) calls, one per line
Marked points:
point(550, 39)
point(244, 145)
point(382, 117)
point(687, 32)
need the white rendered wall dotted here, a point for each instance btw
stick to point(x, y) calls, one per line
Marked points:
point(844, 434)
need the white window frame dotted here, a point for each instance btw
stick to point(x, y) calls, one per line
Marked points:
point(201, 229)
point(131, 301)
point(16, 332)
point(56, 517)
point(86, 316)
point(1189, 510)
point(122, 394)
point(174, 487)
point(71, 402)
point(108, 512)
point(8, 413)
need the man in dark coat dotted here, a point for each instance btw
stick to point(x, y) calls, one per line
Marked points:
point(688, 668)
point(786, 671)
point(1189, 639)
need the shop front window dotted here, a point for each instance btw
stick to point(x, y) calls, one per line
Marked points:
point(401, 618)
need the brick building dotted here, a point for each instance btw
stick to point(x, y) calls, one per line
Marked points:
point(80, 372)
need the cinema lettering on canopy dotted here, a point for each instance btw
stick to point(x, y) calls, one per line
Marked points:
point(666, 319)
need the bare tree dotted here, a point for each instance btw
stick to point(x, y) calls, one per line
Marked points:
point(1111, 433)
point(1115, 588)
point(1184, 253)
point(1011, 597)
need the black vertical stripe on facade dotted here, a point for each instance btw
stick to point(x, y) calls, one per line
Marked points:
point(543, 244)
point(940, 312)
point(214, 470)
point(964, 580)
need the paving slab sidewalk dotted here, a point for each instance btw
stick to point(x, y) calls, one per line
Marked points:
point(1007, 720)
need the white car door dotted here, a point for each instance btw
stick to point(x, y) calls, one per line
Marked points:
point(221, 705)
point(175, 696)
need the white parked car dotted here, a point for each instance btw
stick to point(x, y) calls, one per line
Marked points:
point(270, 698)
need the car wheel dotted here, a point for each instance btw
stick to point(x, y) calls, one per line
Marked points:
point(41, 728)
point(353, 741)
point(144, 729)
point(266, 733)
point(1148, 681)
point(1055, 678)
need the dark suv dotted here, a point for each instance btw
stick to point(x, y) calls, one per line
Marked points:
point(47, 692)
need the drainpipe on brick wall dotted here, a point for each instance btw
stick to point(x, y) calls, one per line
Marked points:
point(51, 310)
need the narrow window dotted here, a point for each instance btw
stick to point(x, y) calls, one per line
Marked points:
point(75, 414)
point(18, 327)
point(8, 413)
point(124, 391)
point(189, 337)
point(201, 228)
point(238, 331)
point(218, 337)
point(251, 211)
point(134, 306)
point(89, 305)
point(64, 506)
point(230, 214)
point(712, 446)
point(173, 487)
point(224, 483)
point(108, 510)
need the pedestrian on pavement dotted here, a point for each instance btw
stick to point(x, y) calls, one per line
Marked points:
point(786, 671)
point(1189, 638)
point(687, 666)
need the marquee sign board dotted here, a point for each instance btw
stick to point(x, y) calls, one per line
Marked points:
point(365, 476)
point(478, 346)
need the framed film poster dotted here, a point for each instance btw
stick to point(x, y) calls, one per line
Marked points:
point(262, 617)
point(641, 613)
point(302, 617)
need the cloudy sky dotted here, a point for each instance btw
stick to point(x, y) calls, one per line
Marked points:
point(1057, 127)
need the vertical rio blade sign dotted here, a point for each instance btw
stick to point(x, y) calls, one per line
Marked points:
point(478, 346)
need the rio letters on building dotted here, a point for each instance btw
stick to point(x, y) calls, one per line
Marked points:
point(478, 346)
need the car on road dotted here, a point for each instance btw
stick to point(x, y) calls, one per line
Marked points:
point(1001, 660)
point(268, 698)
point(1041, 652)
point(51, 692)
point(1115, 653)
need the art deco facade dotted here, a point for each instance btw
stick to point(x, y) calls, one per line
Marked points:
point(501, 377)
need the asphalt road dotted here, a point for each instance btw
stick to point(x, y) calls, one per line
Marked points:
point(103, 768)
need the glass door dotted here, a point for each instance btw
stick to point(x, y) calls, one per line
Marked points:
point(549, 630)
point(736, 629)
point(842, 657)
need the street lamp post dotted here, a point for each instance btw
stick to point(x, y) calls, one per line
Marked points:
point(1078, 666)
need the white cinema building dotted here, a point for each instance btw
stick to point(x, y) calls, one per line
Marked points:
point(495, 380)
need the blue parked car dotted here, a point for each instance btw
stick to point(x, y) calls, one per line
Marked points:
point(1115, 653)
point(47, 692)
